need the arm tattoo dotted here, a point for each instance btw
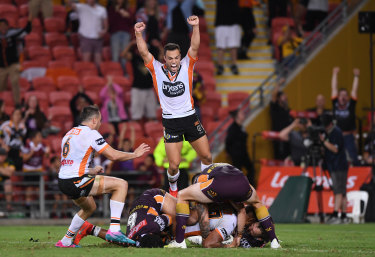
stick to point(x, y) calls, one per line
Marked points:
point(203, 220)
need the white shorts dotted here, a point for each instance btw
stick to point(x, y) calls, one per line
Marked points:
point(224, 226)
point(228, 36)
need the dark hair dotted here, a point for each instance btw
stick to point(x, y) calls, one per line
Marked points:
point(53, 159)
point(279, 94)
point(194, 179)
point(88, 112)
point(151, 156)
point(343, 89)
point(5, 21)
point(171, 47)
point(151, 241)
point(326, 119)
point(34, 133)
point(234, 113)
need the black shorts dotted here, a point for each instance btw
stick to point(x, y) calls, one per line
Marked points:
point(77, 187)
point(189, 127)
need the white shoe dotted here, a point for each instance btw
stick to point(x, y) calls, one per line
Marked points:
point(197, 240)
point(275, 244)
point(228, 240)
point(174, 244)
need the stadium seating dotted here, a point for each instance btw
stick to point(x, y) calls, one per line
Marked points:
point(137, 129)
point(23, 10)
point(106, 54)
point(85, 69)
point(236, 98)
point(154, 129)
point(111, 68)
point(60, 98)
point(59, 114)
point(21, 2)
point(45, 84)
point(123, 82)
point(33, 39)
point(93, 83)
point(54, 24)
point(55, 39)
point(36, 26)
point(32, 64)
point(213, 100)
point(8, 11)
point(59, 11)
point(207, 114)
point(41, 96)
point(24, 84)
point(39, 53)
point(57, 64)
point(7, 97)
point(68, 84)
point(64, 53)
point(107, 128)
point(147, 140)
point(94, 96)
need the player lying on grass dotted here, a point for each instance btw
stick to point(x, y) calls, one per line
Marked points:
point(150, 215)
point(219, 183)
point(216, 223)
point(81, 182)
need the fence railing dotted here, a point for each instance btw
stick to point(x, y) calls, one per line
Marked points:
point(261, 95)
point(43, 197)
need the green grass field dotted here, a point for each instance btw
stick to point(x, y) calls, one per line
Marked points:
point(297, 240)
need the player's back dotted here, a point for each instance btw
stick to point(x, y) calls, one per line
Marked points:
point(150, 198)
point(77, 150)
point(221, 169)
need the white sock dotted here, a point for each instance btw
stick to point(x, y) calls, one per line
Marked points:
point(76, 224)
point(173, 180)
point(96, 230)
point(116, 210)
point(204, 166)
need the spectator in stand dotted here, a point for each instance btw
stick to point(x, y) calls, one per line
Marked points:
point(236, 145)
point(9, 59)
point(93, 25)
point(45, 6)
point(113, 109)
point(317, 11)
point(35, 119)
point(143, 103)
point(178, 29)
point(288, 43)
point(78, 102)
point(319, 109)
point(248, 24)
point(3, 116)
point(276, 8)
point(14, 133)
point(227, 33)
point(335, 160)
point(6, 171)
point(151, 180)
point(187, 156)
point(53, 172)
point(300, 12)
point(121, 20)
point(33, 155)
point(295, 134)
point(344, 112)
point(280, 118)
point(369, 148)
point(156, 31)
point(199, 95)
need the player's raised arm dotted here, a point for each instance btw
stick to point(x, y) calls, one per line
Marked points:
point(355, 85)
point(115, 155)
point(139, 27)
point(334, 88)
point(195, 37)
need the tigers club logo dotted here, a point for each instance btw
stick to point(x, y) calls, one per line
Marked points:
point(173, 89)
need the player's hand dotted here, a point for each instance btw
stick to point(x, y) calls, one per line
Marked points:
point(356, 72)
point(235, 242)
point(336, 70)
point(139, 27)
point(96, 170)
point(193, 20)
point(142, 149)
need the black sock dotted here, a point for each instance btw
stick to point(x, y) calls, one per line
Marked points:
point(335, 214)
point(343, 215)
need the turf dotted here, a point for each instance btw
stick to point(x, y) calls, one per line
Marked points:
point(297, 240)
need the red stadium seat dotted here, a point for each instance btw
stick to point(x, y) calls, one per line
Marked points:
point(7, 97)
point(64, 53)
point(8, 11)
point(207, 66)
point(54, 24)
point(23, 10)
point(41, 96)
point(279, 22)
point(55, 144)
point(94, 96)
point(6, 2)
point(21, 2)
point(85, 69)
point(59, 64)
point(147, 140)
point(60, 114)
point(24, 84)
point(111, 68)
point(36, 26)
point(68, 84)
point(154, 129)
point(106, 54)
point(159, 114)
point(55, 39)
point(39, 53)
point(137, 128)
point(211, 127)
point(34, 64)
point(45, 84)
point(93, 83)
point(124, 82)
point(214, 100)
point(207, 114)
point(236, 98)
point(107, 128)
point(33, 39)
point(223, 113)
point(59, 11)
point(60, 98)
point(74, 40)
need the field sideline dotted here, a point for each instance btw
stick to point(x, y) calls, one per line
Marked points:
point(297, 240)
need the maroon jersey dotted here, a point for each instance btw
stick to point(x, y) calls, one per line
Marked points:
point(35, 163)
point(222, 182)
point(146, 216)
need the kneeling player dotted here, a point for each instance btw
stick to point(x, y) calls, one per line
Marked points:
point(220, 183)
point(150, 215)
